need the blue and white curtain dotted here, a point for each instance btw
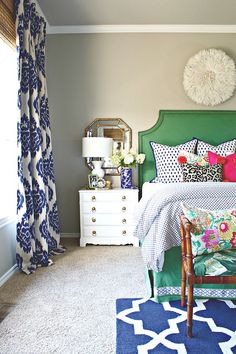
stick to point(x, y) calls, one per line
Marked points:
point(38, 234)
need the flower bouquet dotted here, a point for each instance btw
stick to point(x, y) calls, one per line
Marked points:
point(127, 160)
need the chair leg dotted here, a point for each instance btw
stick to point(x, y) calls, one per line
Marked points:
point(190, 310)
point(183, 285)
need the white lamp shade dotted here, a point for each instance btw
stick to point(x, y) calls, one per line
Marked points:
point(97, 147)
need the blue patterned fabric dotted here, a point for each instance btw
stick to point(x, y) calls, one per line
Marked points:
point(126, 177)
point(38, 234)
point(146, 327)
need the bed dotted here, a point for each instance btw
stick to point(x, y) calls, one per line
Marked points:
point(174, 128)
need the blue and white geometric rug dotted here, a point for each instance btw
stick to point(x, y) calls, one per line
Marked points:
point(145, 327)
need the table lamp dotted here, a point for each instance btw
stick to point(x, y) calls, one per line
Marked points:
point(97, 148)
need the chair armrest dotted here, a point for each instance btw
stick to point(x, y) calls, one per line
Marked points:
point(185, 222)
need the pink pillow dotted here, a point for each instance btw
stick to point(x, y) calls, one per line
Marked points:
point(229, 165)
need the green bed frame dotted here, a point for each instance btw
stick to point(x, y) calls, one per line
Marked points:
point(174, 127)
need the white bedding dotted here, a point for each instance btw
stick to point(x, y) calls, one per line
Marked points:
point(158, 224)
point(148, 189)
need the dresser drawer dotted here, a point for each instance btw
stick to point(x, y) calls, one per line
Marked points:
point(113, 196)
point(107, 216)
point(107, 208)
point(113, 231)
point(109, 219)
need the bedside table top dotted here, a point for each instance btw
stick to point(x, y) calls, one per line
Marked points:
point(113, 190)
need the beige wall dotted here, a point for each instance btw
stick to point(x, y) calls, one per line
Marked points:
point(131, 76)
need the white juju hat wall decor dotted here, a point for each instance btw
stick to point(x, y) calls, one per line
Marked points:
point(210, 77)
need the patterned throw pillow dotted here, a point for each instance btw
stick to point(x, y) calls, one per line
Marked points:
point(214, 230)
point(208, 173)
point(189, 157)
point(167, 167)
point(229, 165)
point(222, 149)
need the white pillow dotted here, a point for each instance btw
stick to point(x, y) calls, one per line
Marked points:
point(167, 168)
point(224, 149)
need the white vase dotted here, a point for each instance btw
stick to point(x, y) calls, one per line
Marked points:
point(98, 171)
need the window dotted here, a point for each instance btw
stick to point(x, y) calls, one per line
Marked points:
point(7, 23)
point(8, 119)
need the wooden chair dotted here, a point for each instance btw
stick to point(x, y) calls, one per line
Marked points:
point(189, 274)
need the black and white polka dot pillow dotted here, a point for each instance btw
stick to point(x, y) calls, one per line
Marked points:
point(167, 168)
point(223, 149)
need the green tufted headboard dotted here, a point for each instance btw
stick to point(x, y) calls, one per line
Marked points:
point(175, 127)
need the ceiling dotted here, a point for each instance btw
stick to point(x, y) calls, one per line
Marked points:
point(138, 12)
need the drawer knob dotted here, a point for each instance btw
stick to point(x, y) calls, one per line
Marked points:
point(94, 233)
point(124, 209)
point(123, 197)
point(93, 219)
point(124, 232)
point(93, 209)
point(93, 198)
point(123, 221)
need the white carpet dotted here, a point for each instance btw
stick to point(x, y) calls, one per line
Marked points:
point(70, 307)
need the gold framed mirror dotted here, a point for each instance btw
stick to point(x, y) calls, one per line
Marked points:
point(114, 128)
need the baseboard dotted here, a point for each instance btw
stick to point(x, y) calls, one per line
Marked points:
point(8, 275)
point(69, 235)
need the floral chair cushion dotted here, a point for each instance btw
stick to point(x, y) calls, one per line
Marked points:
point(218, 263)
point(213, 231)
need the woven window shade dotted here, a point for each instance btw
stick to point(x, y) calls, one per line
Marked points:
point(7, 21)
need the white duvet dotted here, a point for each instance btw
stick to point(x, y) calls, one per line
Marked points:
point(157, 218)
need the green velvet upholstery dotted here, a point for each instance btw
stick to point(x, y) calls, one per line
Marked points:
point(174, 127)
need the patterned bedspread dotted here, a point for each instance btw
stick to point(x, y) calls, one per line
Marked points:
point(157, 219)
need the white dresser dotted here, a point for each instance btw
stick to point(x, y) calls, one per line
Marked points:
point(106, 216)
